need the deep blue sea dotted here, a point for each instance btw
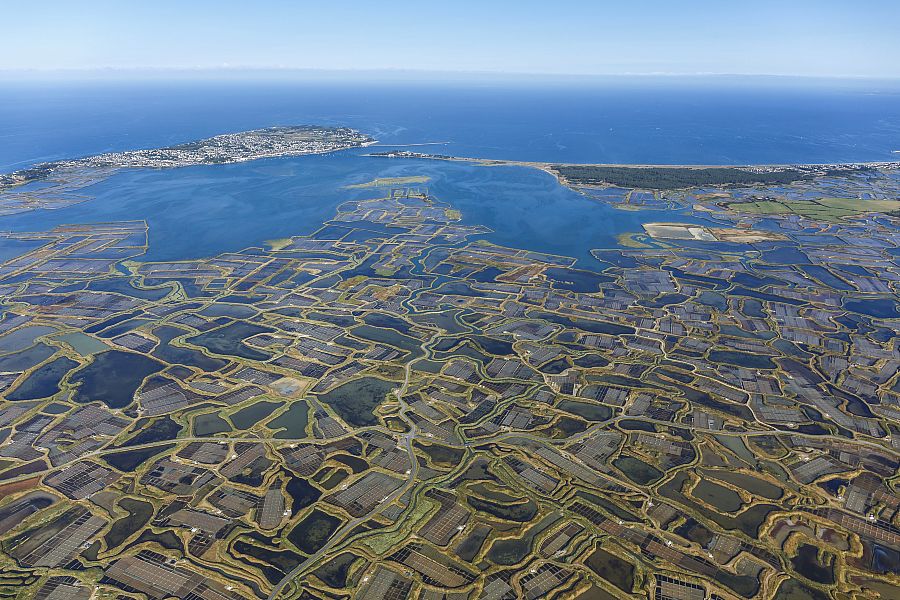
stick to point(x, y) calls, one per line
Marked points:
point(200, 211)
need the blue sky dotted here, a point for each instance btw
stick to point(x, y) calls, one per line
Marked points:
point(787, 37)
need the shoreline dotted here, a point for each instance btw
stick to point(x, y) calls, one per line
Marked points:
point(666, 177)
point(549, 164)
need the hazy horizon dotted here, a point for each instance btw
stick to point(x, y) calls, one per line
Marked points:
point(801, 39)
point(287, 76)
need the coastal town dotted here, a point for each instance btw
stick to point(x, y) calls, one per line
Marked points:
point(61, 183)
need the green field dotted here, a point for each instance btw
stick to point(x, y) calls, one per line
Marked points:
point(823, 209)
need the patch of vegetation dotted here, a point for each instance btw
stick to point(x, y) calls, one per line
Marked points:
point(283, 560)
point(278, 243)
point(389, 181)
point(521, 513)
point(632, 240)
point(823, 209)
point(382, 542)
point(670, 178)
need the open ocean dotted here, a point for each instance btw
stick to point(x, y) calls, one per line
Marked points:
point(200, 211)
